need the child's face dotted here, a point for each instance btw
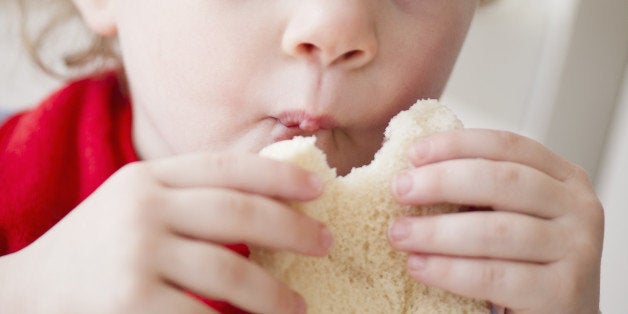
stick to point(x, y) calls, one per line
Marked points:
point(229, 75)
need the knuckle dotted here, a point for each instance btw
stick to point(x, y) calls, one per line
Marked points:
point(232, 273)
point(592, 205)
point(220, 265)
point(138, 169)
point(495, 229)
point(224, 165)
point(130, 169)
point(221, 161)
point(216, 262)
point(440, 270)
point(507, 174)
point(578, 173)
point(450, 141)
point(429, 233)
point(508, 140)
point(492, 276)
point(240, 208)
point(592, 226)
point(133, 174)
point(139, 197)
point(434, 182)
point(146, 203)
point(597, 211)
point(143, 215)
point(560, 246)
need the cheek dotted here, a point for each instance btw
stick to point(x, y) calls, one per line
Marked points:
point(426, 49)
point(172, 47)
point(179, 80)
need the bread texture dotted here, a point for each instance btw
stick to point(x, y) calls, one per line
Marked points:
point(363, 273)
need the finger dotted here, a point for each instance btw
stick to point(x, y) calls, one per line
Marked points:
point(227, 216)
point(479, 182)
point(498, 235)
point(493, 145)
point(217, 273)
point(173, 300)
point(244, 172)
point(512, 284)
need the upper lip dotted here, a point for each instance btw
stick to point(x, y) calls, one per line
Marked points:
point(305, 121)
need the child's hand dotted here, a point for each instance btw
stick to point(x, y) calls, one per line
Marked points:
point(537, 252)
point(156, 229)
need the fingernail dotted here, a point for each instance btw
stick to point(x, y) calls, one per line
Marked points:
point(301, 307)
point(403, 184)
point(420, 150)
point(416, 263)
point(326, 239)
point(400, 230)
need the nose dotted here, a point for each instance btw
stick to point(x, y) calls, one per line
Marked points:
point(332, 33)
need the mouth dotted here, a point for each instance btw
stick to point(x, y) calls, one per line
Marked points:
point(300, 123)
point(305, 121)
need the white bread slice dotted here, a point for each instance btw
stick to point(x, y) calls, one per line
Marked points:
point(363, 273)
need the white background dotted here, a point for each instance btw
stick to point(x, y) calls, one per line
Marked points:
point(554, 70)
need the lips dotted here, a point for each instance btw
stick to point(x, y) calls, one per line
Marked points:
point(300, 123)
point(306, 122)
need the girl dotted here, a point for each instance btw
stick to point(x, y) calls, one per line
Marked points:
point(125, 192)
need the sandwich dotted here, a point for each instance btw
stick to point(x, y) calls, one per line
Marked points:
point(363, 273)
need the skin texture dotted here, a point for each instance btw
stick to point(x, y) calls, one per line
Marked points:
point(211, 81)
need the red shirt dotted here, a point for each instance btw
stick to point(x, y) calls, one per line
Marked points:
point(54, 156)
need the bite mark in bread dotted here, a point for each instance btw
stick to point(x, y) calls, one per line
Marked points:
point(363, 273)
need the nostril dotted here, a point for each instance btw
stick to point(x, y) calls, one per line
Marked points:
point(353, 54)
point(330, 57)
point(306, 48)
point(352, 57)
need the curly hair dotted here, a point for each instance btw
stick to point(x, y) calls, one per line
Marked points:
point(96, 54)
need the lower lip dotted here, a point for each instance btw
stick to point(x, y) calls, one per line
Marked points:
point(297, 118)
point(281, 133)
